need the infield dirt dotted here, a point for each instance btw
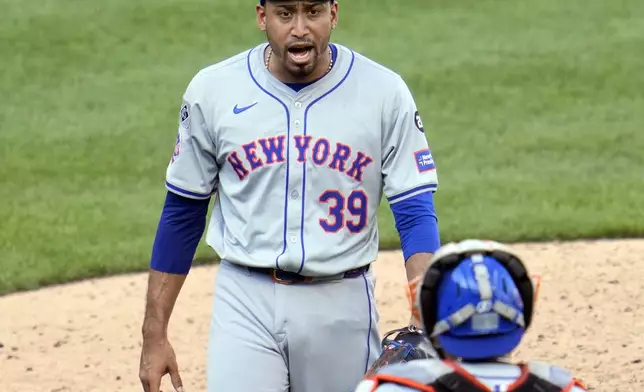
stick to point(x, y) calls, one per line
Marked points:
point(85, 336)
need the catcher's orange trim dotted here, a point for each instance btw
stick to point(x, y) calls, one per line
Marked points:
point(463, 373)
point(525, 372)
point(379, 379)
point(574, 383)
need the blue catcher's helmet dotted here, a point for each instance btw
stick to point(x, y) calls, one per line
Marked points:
point(476, 300)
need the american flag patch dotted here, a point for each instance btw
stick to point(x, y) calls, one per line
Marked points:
point(424, 160)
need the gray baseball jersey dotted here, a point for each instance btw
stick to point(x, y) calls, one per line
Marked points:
point(494, 376)
point(298, 176)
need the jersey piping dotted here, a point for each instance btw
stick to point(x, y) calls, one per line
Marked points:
point(288, 136)
point(306, 112)
point(412, 192)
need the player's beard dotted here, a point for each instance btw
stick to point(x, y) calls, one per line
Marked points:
point(300, 58)
point(301, 68)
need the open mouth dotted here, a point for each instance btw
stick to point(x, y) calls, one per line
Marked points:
point(300, 53)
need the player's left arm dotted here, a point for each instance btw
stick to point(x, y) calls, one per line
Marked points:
point(410, 180)
point(417, 224)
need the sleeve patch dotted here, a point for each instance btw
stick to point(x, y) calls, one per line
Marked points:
point(419, 122)
point(424, 160)
point(184, 116)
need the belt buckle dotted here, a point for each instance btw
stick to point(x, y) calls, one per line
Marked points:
point(279, 280)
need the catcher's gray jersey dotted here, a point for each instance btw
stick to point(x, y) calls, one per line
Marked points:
point(299, 175)
point(495, 376)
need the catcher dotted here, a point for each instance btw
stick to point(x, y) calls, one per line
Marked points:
point(477, 299)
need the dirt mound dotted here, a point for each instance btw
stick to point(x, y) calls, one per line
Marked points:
point(86, 336)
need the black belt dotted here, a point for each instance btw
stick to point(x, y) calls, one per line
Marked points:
point(288, 277)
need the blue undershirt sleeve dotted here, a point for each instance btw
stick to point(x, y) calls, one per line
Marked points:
point(417, 224)
point(181, 226)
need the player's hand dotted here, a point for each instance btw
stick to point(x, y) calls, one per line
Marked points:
point(157, 360)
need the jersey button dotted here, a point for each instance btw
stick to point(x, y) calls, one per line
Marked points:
point(297, 123)
point(294, 195)
point(293, 239)
point(298, 105)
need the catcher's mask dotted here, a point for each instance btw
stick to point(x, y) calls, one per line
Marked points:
point(476, 299)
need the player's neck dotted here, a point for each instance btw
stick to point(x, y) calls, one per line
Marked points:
point(275, 67)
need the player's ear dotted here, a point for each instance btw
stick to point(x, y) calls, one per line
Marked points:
point(261, 17)
point(334, 14)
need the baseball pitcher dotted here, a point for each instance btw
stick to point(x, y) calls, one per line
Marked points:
point(477, 300)
point(295, 140)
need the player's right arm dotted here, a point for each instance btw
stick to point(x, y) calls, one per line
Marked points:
point(191, 179)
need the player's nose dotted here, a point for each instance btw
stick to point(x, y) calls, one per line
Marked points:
point(300, 27)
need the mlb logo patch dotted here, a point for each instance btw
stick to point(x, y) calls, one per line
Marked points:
point(424, 160)
point(184, 116)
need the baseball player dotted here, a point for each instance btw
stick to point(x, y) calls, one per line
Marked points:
point(296, 140)
point(477, 300)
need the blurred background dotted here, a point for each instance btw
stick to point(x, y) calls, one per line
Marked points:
point(534, 111)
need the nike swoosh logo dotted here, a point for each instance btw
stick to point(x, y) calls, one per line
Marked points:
point(238, 110)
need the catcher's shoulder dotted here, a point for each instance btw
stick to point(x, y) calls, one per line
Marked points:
point(557, 375)
point(422, 371)
point(430, 367)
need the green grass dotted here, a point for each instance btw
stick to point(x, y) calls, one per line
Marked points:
point(533, 110)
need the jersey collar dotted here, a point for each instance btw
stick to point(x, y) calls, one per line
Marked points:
point(333, 78)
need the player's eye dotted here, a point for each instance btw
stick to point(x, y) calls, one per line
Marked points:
point(284, 14)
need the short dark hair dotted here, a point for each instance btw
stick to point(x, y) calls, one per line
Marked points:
point(263, 2)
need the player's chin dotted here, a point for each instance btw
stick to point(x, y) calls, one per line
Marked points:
point(302, 57)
